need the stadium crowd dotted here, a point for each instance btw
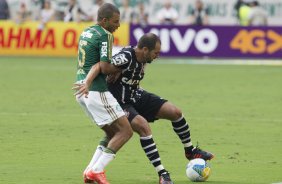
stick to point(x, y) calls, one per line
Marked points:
point(66, 10)
point(248, 12)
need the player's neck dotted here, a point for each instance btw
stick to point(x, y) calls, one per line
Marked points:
point(139, 55)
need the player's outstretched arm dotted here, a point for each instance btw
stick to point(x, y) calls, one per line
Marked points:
point(83, 89)
point(112, 78)
point(108, 68)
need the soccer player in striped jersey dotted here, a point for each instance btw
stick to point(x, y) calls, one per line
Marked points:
point(142, 107)
point(95, 46)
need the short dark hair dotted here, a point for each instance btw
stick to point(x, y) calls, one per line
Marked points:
point(256, 3)
point(148, 40)
point(106, 11)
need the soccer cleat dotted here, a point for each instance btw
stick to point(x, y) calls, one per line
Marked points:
point(165, 178)
point(198, 153)
point(86, 180)
point(99, 178)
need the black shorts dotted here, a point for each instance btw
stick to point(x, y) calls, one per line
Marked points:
point(148, 105)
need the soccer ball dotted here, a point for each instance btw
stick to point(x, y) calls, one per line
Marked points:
point(198, 170)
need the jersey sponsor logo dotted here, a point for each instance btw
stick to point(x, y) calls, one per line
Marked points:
point(119, 59)
point(86, 34)
point(104, 49)
point(130, 82)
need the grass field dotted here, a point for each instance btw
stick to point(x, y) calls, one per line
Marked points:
point(234, 111)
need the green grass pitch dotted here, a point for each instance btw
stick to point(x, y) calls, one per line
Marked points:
point(233, 111)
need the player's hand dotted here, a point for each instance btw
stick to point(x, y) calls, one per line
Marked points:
point(112, 78)
point(81, 89)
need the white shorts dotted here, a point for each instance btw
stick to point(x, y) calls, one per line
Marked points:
point(101, 107)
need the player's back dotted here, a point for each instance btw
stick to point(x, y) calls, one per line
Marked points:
point(95, 44)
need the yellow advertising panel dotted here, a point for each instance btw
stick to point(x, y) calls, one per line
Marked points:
point(56, 39)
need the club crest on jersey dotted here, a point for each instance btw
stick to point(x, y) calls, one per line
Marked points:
point(86, 34)
point(104, 49)
point(118, 108)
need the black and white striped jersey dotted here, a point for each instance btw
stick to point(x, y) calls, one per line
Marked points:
point(126, 88)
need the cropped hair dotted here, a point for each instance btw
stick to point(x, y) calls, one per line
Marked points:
point(148, 40)
point(106, 11)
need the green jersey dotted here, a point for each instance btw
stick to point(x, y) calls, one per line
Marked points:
point(95, 44)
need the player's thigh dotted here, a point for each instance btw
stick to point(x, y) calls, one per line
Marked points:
point(149, 105)
point(141, 126)
point(81, 101)
point(122, 133)
point(138, 123)
point(130, 111)
point(169, 111)
point(103, 107)
point(121, 125)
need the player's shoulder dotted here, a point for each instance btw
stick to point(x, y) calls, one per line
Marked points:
point(128, 49)
point(95, 31)
point(124, 56)
point(128, 52)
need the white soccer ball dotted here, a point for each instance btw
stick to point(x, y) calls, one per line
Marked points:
point(198, 170)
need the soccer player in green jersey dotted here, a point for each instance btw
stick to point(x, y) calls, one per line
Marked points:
point(95, 46)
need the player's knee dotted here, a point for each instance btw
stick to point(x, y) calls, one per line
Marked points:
point(127, 131)
point(141, 126)
point(127, 135)
point(124, 135)
point(142, 130)
point(122, 128)
point(176, 113)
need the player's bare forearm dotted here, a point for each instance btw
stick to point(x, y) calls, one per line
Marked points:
point(112, 78)
point(92, 74)
point(107, 68)
point(83, 88)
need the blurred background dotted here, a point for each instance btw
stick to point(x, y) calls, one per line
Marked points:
point(190, 28)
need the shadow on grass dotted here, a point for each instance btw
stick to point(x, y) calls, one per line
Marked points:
point(210, 182)
point(137, 181)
